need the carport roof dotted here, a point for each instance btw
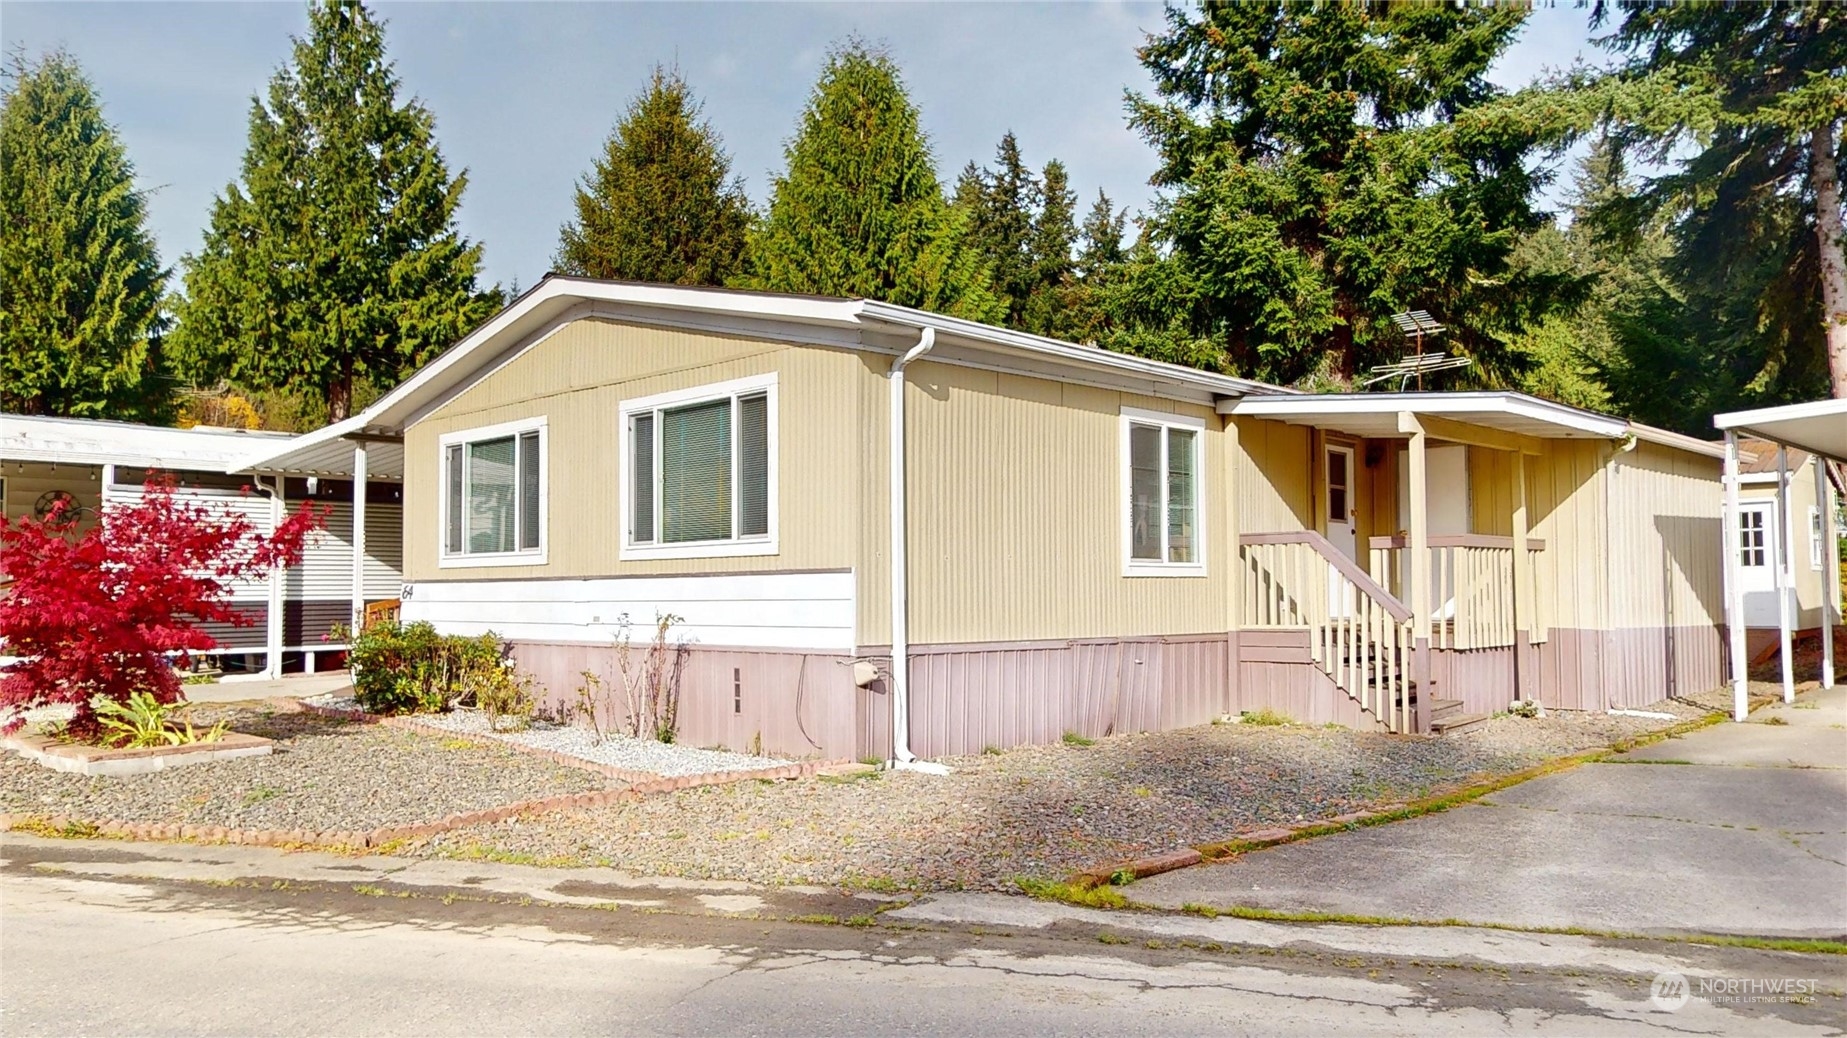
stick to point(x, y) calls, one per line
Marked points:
point(1819, 426)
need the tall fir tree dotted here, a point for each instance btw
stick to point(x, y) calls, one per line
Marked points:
point(661, 204)
point(859, 210)
point(80, 284)
point(1048, 309)
point(1001, 203)
point(1755, 94)
point(1322, 168)
point(336, 263)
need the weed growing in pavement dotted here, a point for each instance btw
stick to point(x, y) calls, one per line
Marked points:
point(1105, 937)
point(1122, 877)
point(860, 920)
point(1266, 717)
point(1773, 719)
point(1074, 739)
point(1071, 893)
point(1806, 706)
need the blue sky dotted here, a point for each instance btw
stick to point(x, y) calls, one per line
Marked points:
point(525, 93)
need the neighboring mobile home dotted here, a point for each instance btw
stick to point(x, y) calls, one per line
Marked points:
point(1813, 561)
point(91, 464)
point(1089, 542)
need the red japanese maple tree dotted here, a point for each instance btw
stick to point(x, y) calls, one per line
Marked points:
point(110, 610)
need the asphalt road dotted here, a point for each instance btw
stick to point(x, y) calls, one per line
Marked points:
point(102, 938)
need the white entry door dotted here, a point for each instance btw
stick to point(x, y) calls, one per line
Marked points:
point(1337, 498)
point(1757, 551)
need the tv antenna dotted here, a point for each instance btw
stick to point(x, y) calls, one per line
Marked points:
point(1415, 324)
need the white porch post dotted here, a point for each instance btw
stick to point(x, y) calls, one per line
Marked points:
point(1830, 577)
point(1524, 602)
point(1734, 591)
point(359, 536)
point(1420, 567)
point(272, 666)
point(1785, 579)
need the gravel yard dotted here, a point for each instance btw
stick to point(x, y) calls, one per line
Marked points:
point(1041, 811)
point(325, 773)
point(666, 759)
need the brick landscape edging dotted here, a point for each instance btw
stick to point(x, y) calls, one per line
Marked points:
point(640, 784)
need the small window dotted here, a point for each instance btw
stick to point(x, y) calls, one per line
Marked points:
point(494, 494)
point(701, 472)
point(1816, 556)
point(1751, 551)
point(1161, 477)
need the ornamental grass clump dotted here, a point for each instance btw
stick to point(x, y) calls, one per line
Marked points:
point(98, 614)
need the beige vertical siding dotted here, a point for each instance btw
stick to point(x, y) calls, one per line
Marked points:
point(1665, 540)
point(1275, 489)
point(1015, 504)
point(1808, 583)
point(577, 380)
point(1567, 509)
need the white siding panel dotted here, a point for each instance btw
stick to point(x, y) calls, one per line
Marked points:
point(253, 507)
point(770, 610)
point(326, 570)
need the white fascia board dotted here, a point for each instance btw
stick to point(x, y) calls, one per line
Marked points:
point(1762, 415)
point(1439, 404)
point(279, 459)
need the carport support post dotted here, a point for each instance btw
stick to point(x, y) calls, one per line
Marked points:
point(1420, 569)
point(1734, 591)
point(1830, 577)
point(1784, 578)
point(359, 538)
point(1524, 602)
point(272, 662)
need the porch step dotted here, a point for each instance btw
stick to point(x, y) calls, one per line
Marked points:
point(1442, 708)
point(1457, 723)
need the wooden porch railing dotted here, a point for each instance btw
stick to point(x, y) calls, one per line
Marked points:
point(1359, 635)
point(1472, 585)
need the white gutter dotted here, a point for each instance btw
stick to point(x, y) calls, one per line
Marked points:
point(901, 755)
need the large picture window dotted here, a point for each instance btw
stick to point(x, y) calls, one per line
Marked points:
point(1164, 534)
point(494, 495)
point(701, 472)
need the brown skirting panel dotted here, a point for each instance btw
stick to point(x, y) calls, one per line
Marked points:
point(782, 703)
point(1482, 678)
point(1277, 672)
point(1628, 667)
point(966, 699)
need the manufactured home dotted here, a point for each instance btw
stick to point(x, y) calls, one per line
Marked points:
point(1084, 541)
point(1762, 530)
point(88, 465)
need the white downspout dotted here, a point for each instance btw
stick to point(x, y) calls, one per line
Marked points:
point(1734, 590)
point(901, 754)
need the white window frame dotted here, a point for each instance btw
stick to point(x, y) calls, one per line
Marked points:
point(1817, 558)
point(734, 546)
point(1125, 517)
point(519, 556)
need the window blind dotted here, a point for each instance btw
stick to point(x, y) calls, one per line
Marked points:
point(754, 466)
point(529, 490)
point(452, 467)
point(696, 472)
point(491, 506)
point(641, 490)
point(1145, 492)
point(1180, 464)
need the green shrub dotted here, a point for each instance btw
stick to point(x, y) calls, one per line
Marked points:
point(501, 692)
point(1266, 716)
point(144, 721)
point(409, 668)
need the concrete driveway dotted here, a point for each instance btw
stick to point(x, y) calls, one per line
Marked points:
point(1734, 829)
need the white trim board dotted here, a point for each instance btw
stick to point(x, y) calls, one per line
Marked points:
point(771, 611)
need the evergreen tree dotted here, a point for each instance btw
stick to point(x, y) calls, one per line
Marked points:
point(1001, 203)
point(1049, 299)
point(859, 210)
point(661, 205)
point(1101, 238)
point(337, 261)
point(1756, 92)
point(1323, 168)
point(80, 285)
point(1099, 260)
